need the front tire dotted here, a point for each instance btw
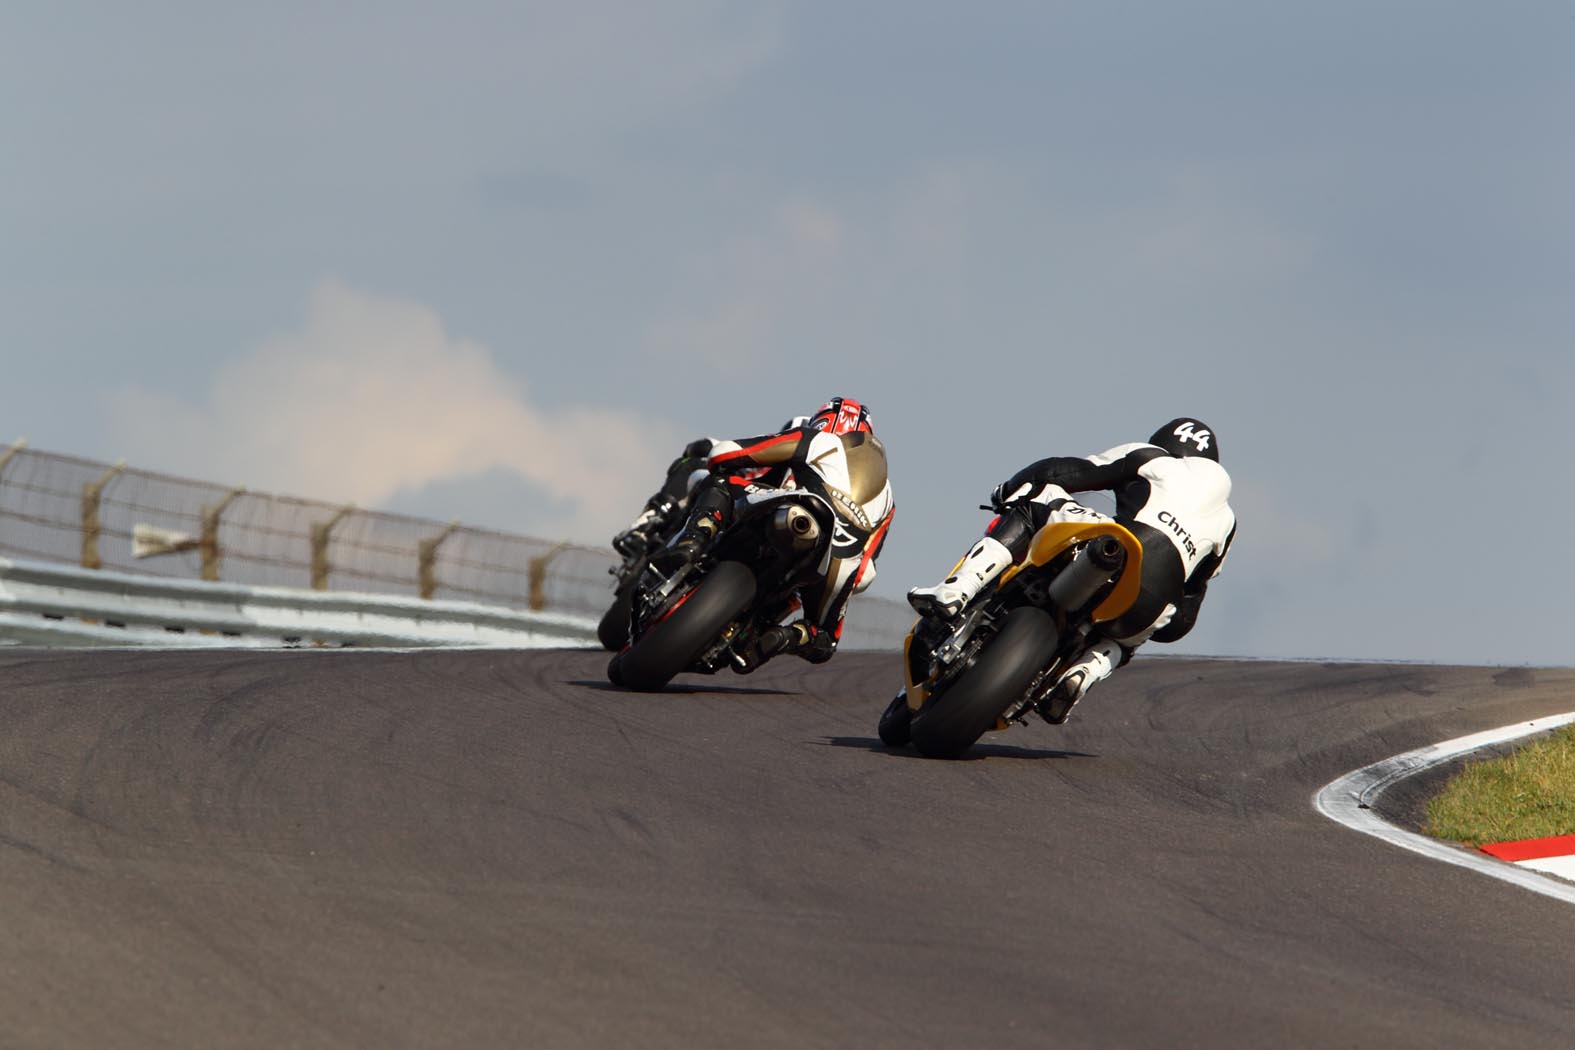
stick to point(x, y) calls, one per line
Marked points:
point(952, 722)
point(613, 630)
point(671, 646)
point(896, 722)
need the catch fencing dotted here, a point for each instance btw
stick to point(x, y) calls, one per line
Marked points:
point(110, 516)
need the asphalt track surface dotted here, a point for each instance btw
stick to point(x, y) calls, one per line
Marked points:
point(495, 849)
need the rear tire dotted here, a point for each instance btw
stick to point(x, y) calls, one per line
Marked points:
point(671, 646)
point(952, 722)
point(613, 630)
point(896, 721)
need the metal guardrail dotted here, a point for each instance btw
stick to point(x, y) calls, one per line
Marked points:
point(43, 603)
point(111, 517)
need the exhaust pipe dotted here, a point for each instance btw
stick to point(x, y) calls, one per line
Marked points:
point(1100, 559)
point(794, 529)
point(1107, 552)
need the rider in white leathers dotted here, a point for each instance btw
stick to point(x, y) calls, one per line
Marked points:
point(834, 454)
point(1171, 492)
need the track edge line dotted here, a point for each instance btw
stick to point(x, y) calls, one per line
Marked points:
point(1347, 800)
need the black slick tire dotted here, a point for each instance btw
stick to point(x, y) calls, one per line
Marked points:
point(952, 722)
point(671, 646)
point(896, 722)
point(613, 630)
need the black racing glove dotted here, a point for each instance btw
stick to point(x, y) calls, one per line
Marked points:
point(999, 496)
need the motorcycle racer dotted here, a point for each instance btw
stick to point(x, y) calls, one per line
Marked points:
point(834, 454)
point(1171, 493)
point(671, 501)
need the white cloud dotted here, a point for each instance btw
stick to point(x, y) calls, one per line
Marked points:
point(374, 398)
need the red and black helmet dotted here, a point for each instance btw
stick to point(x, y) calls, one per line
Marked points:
point(842, 415)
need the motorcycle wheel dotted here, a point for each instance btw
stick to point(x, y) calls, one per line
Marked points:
point(952, 722)
point(896, 721)
point(672, 645)
point(613, 630)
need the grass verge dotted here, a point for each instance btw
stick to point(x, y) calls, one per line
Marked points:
point(1527, 795)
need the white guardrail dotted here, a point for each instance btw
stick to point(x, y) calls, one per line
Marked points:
point(42, 603)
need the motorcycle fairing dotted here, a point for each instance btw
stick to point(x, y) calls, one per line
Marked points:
point(1049, 543)
point(917, 691)
point(1057, 537)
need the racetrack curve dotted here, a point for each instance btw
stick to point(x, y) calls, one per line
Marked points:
point(494, 848)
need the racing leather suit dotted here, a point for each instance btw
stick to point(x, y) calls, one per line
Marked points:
point(849, 472)
point(1177, 506)
point(669, 503)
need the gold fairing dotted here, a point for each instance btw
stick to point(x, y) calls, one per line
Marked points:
point(1058, 537)
point(917, 690)
point(866, 466)
point(1049, 543)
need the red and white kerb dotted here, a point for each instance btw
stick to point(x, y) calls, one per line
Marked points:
point(1555, 855)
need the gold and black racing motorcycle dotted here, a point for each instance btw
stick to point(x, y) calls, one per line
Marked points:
point(994, 663)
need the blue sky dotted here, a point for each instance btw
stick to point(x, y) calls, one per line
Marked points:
point(495, 261)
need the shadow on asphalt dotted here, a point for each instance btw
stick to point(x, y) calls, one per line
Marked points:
point(604, 686)
point(975, 753)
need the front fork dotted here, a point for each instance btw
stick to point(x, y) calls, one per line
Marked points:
point(930, 666)
point(649, 599)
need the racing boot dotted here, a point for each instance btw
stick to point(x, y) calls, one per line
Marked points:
point(1093, 666)
point(988, 559)
point(688, 544)
point(774, 641)
point(642, 533)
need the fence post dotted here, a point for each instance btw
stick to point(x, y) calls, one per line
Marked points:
point(536, 575)
point(5, 457)
point(209, 543)
point(9, 454)
point(426, 560)
point(92, 492)
point(320, 534)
